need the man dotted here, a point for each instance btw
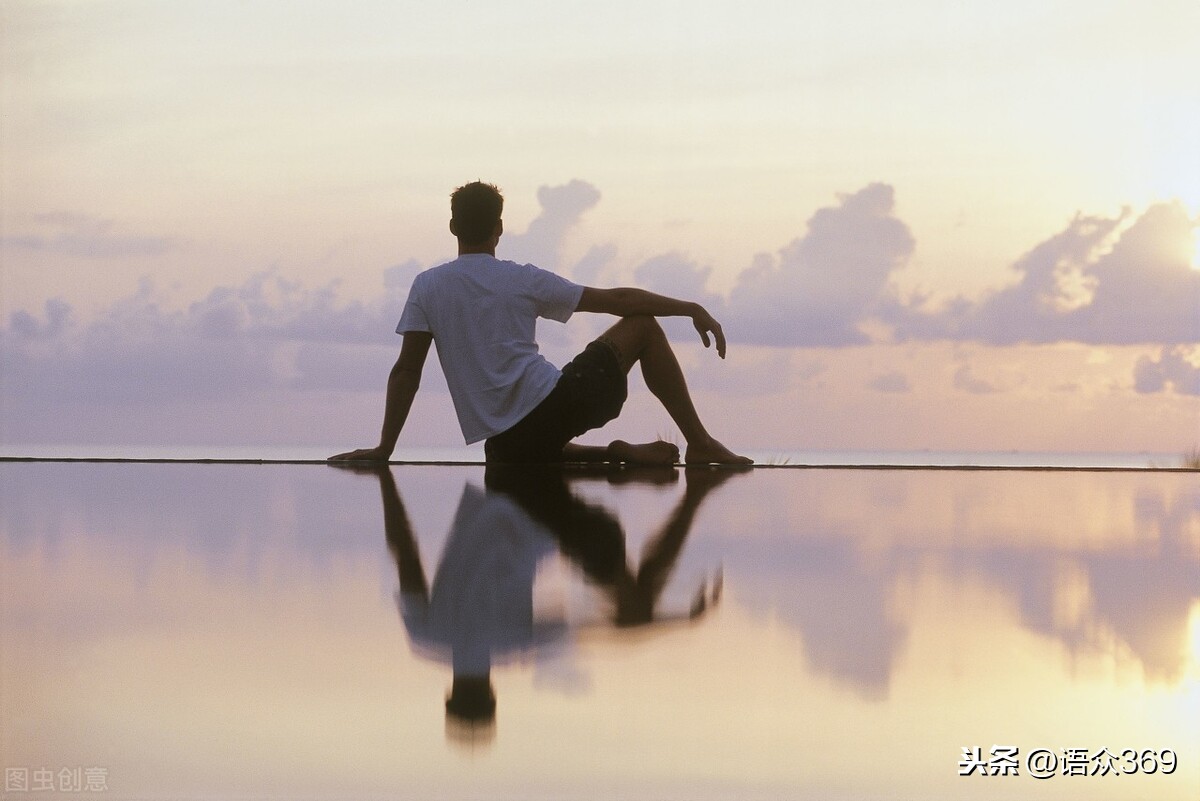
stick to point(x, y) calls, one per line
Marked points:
point(482, 313)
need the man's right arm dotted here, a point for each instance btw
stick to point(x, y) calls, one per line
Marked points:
point(402, 385)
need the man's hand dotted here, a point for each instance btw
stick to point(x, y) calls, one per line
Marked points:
point(381, 470)
point(375, 454)
point(705, 323)
point(402, 386)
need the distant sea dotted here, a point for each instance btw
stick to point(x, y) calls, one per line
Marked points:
point(797, 458)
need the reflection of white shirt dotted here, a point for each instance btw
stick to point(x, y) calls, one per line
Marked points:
point(483, 314)
point(480, 607)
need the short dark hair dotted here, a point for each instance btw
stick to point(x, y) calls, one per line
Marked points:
point(475, 208)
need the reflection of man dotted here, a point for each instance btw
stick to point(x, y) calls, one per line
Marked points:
point(480, 608)
point(592, 538)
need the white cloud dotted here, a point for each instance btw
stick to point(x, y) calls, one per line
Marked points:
point(1093, 283)
point(818, 290)
point(674, 274)
point(562, 207)
point(1099, 281)
point(1146, 289)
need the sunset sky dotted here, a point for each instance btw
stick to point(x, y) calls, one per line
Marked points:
point(934, 224)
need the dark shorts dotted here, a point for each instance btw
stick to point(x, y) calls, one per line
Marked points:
point(590, 393)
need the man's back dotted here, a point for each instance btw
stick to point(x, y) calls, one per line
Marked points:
point(482, 313)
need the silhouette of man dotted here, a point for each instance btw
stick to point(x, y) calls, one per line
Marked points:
point(482, 312)
point(479, 610)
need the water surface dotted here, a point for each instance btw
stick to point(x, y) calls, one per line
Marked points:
point(234, 631)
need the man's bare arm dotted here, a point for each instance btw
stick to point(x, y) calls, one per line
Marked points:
point(403, 383)
point(631, 301)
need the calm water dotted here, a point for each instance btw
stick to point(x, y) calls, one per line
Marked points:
point(287, 631)
point(474, 453)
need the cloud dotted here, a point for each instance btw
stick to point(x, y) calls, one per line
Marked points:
point(819, 289)
point(1006, 375)
point(891, 383)
point(269, 306)
point(1172, 369)
point(58, 318)
point(591, 267)
point(347, 368)
point(267, 336)
point(80, 235)
point(966, 380)
point(135, 353)
point(674, 274)
point(398, 278)
point(1094, 282)
point(1102, 280)
point(1146, 289)
point(562, 207)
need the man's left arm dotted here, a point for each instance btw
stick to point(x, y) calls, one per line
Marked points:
point(631, 301)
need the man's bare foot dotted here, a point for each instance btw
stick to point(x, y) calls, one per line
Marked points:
point(648, 453)
point(713, 452)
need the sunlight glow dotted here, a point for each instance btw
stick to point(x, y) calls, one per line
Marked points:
point(1193, 640)
point(1196, 247)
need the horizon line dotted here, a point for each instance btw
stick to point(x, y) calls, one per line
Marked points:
point(480, 463)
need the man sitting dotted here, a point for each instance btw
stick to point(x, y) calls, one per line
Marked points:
point(482, 311)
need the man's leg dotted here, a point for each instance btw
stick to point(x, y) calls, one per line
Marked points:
point(647, 453)
point(641, 340)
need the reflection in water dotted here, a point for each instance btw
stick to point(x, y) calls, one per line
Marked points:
point(1118, 580)
point(231, 631)
point(480, 610)
point(1138, 602)
point(842, 606)
point(1136, 598)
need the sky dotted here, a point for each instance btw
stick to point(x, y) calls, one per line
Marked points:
point(931, 225)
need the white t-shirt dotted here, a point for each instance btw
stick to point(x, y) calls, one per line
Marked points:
point(480, 608)
point(483, 314)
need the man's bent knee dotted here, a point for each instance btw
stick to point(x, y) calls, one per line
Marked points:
point(641, 328)
point(630, 336)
